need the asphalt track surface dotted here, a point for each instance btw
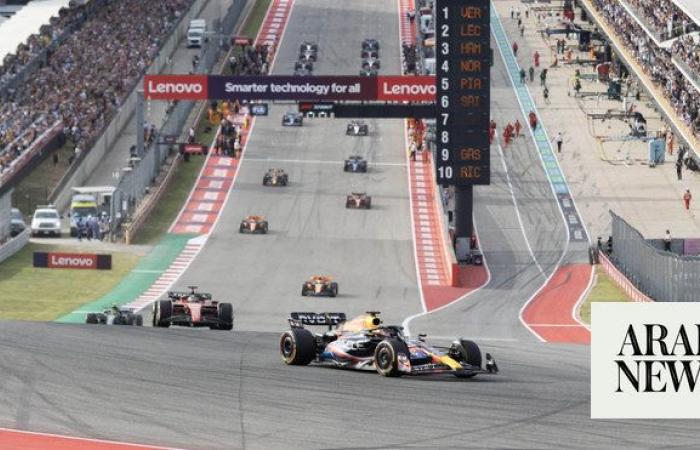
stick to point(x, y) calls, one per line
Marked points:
point(201, 389)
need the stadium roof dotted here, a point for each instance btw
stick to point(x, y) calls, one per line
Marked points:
point(25, 22)
point(691, 8)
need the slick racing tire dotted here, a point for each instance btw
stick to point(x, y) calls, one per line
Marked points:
point(138, 320)
point(386, 357)
point(471, 354)
point(225, 316)
point(334, 289)
point(161, 313)
point(91, 318)
point(297, 347)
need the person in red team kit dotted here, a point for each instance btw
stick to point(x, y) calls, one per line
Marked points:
point(518, 127)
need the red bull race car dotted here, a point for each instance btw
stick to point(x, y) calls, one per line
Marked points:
point(365, 343)
point(319, 286)
point(292, 119)
point(358, 200)
point(254, 225)
point(192, 309)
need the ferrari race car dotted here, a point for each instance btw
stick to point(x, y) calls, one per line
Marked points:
point(368, 72)
point(302, 65)
point(192, 309)
point(370, 44)
point(318, 286)
point(253, 224)
point(115, 316)
point(355, 164)
point(358, 200)
point(364, 343)
point(275, 177)
point(308, 47)
point(357, 128)
point(371, 63)
point(292, 119)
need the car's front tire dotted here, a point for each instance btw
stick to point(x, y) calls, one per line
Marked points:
point(91, 318)
point(297, 347)
point(386, 357)
point(334, 289)
point(162, 313)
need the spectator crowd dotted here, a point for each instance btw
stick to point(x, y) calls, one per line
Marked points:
point(663, 17)
point(656, 61)
point(89, 73)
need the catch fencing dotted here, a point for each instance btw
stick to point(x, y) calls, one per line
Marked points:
point(134, 184)
point(663, 276)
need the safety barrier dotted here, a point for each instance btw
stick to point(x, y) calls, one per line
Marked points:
point(621, 280)
point(14, 245)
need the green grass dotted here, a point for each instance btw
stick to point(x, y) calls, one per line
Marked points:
point(171, 202)
point(30, 293)
point(604, 290)
point(255, 19)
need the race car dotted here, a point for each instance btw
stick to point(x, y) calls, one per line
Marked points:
point(368, 72)
point(319, 286)
point(302, 65)
point(355, 164)
point(371, 63)
point(358, 200)
point(365, 343)
point(275, 177)
point(192, 309)
point(115, 316)
point(292, 119)
point(307, 56)
point(370, 44)
point(357, 128)
point(308, 47)
point(253, 224)
point(369, 54)
point(302, 72)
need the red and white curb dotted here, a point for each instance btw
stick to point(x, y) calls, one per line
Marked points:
point(407, 29)
point(621, 280)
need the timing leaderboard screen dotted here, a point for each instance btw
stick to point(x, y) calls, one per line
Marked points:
point(463, 92)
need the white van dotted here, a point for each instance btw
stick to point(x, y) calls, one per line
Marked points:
point(195, 33)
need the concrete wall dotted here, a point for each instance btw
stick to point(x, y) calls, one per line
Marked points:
point(14, 245)
point(5, 207)
point(104, 144)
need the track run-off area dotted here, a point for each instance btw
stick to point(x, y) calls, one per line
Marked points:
point(202, 389)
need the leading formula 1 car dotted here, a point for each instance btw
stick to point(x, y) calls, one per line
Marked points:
point(358, 200)
point(370, 44)
point(275, 177)
point(253, 224)
point(357, 128)
point(355, 164)
point(319, 286)
point(115, 316)
point(365, 343)
point(192, 309)
point(292, 119)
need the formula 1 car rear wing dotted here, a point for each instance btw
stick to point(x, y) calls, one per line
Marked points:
point(299, 319)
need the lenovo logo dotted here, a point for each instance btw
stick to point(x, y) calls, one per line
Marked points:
point(175, 87)
point(72, 261)
point(416, 89)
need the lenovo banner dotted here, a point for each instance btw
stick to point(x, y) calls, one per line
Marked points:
point(175, 87)
point(322, 88)
point(72, 261)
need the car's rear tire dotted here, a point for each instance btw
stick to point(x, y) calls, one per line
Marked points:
point(138, 320)
point(386, 357)
point(297, 347)
point(91, 318)
point(369, 203)
point(225, 316)
point(304, 291)
point(334, 289)
point(162, 313)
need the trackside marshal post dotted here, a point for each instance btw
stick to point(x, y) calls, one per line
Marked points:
point(463, 110)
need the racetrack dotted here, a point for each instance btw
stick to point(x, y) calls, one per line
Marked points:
point(208, 390)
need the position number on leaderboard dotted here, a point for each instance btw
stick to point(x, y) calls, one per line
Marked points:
point(463, 86)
